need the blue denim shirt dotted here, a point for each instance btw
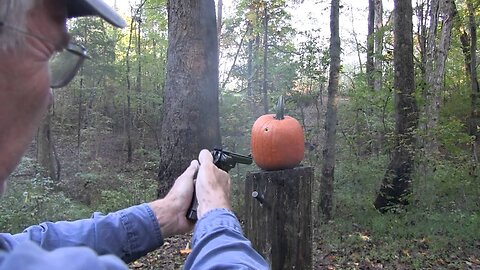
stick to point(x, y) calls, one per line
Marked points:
point(110, 241)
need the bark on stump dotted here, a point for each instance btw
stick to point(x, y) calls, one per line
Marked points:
point(279, 221)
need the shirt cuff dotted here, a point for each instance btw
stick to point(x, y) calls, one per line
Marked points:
point(214, 220)
point(142, 230)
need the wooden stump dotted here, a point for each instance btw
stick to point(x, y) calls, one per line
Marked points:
point(279, 221)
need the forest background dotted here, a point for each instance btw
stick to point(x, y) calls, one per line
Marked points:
point(99, 147)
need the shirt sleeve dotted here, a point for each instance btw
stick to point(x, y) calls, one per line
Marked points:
point(219, 243)
point(29, 256)
point(128, 234)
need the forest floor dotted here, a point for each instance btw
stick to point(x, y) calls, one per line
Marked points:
point(324, 257)
point(358, 251)
point(168, 257)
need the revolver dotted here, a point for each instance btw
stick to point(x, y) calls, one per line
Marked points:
point(224, 160)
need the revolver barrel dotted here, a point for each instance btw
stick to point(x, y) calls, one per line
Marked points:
point(227, 160)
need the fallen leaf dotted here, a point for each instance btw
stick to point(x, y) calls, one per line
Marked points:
point(137, 264)
point(185, 251)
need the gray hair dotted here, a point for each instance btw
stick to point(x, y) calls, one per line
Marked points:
point(13, 12)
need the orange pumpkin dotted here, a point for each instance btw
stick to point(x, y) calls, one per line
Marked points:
point(277, 141)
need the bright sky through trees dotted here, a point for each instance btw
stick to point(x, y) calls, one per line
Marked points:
point(310, 15)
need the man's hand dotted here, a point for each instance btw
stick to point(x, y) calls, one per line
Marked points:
point(212, 190)
point(171, 211)
point(212, 185)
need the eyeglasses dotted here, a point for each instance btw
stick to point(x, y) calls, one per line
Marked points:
point(63, 65)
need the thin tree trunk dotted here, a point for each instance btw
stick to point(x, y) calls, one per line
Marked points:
point(422, 10)
point(370, 43)
point(357, 45)
point(328, 169)
point(378, 61)
point(140, 101)
point(45, 149)
point(374, 67)
point(80, 101)
point(80, 112)
point(253, 79)
point(257, 81)
point(265, 57)
point(397, 180)
point(250, 74)
point(465, 41)
point(128, 114)
point(239, 48)
point(219, 18)
point(438, 45)
point(474, 86)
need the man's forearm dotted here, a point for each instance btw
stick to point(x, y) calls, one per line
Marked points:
point(219, 243)
point(129, 233)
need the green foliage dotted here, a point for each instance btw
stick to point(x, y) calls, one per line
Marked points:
point(313, 56)
point(128, 192)
point(359, 179)
point(416, 239)
point(439, 229)
point(247, 27)
point(236, 122)
point(29, 201)
point(449, 188)
point(366, 118)
point(126, 64)
point(454, 138)
point(457, 101)
point(32, 200)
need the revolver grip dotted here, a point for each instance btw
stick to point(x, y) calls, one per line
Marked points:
point(192, 210)
point(225, 161)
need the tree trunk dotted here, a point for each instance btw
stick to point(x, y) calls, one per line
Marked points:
point(397, 180)
point(257, 80)
point(252, 20)
point(190, 110)
point(250, 72)
point(370, 43)
point(80, 102)
point(46, 150)
point(328, 170)
point(437, 47)
point(219, 18)
point(80, 111)
point(138, 81)
point(358, 46)
point(128, 113)
point(474, 124)
point(378, 59)
point(265, 57)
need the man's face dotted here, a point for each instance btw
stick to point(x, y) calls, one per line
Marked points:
point(24, 81)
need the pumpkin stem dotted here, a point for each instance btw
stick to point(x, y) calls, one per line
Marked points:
point(280, 109)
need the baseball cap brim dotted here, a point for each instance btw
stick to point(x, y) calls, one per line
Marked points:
point(80, 8)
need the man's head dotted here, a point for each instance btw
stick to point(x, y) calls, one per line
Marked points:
point(31, 31)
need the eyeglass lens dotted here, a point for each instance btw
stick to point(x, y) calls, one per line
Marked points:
point(64, 66)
